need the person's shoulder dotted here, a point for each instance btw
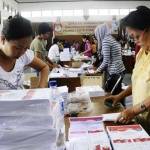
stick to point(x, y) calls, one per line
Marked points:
point(28, 53)
point(27, 57)
point(139, 54)
point(54, 46)
point(36, 41)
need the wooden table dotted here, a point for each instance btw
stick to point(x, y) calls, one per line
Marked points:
point(98, 109)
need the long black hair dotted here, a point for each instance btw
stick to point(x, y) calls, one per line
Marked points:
point(138, 19)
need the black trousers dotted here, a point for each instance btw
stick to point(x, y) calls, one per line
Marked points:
point(113, 84)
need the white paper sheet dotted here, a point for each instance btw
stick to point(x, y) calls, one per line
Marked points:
point(110, 116)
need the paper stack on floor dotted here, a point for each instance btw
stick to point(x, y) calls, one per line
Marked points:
point(87, 133)
point(28, 120)
point(129, 137)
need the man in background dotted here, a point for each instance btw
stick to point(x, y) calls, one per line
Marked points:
point(39, 43)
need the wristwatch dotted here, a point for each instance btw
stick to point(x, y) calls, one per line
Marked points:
point(143, 107)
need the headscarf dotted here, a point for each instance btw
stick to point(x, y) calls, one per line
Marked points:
point(100, 32)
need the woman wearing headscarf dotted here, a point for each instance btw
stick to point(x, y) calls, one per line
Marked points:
point(112, 59)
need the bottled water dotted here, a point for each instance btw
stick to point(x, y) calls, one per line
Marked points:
point(53, 87)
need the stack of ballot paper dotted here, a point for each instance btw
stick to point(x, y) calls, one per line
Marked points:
point(25, 102)
point(79, 57)
point(65, 55)
point(65, 72)
point(29, 119)
point(94, 91)
point(87, 133)
point(26, 138)
point(129, 137)
point(110, 117)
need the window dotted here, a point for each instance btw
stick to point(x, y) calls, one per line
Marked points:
point(78, 12)
point(10, 9)
point(57, 13)
point(93, 12)
point(124, 12)
point(114, 11)
point(46, 13)
point(13, 12)
point(104, 12)
point(67, 13)
point(36, 13)
point(25, 14)
point(132, 10)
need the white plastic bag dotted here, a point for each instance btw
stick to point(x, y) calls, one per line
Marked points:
point(79, 102)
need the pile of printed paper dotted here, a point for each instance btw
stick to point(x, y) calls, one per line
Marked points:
point(87, 133)
point(129, 137)
point(28, 120)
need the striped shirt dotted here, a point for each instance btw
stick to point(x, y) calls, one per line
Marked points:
point(112, 58)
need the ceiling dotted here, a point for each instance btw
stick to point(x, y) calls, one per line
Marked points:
point(42, 1)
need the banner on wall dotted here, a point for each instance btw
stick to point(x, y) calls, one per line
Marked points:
point(75, 28)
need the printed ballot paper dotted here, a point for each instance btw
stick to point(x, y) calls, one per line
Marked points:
point(129, 137)
point(87, 133)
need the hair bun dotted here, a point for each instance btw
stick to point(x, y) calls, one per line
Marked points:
point(143, 9)
point(10, 17)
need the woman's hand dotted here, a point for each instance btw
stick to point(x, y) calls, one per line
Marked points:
point(112, 100)
point(126, 116)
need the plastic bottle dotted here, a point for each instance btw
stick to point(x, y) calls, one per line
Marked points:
point(53, 87)
point(61, 127)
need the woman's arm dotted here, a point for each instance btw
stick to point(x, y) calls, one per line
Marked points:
point(117, 98)
point(38, 54)
point(126, 92)
point(43, 68)
point(128, 114)
point(88, 49)
point(51, 64)
point(106, 50)
point(143, 106)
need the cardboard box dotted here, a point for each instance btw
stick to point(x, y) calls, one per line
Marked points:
point(92, 80)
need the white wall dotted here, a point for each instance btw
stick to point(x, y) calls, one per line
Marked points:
point(5, 14)
point(80, 5)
